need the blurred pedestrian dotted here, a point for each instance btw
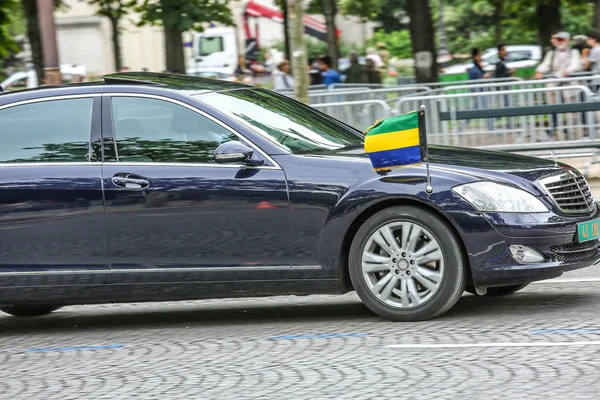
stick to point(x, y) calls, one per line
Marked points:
point(241, 72)
point(383, 52)
point(314, 72)
point(502, 70)
point(282, 80)
point(373, 55)
point(592, 60)
point(269, 63)
point(355, 73)
point(373, 73)
point(330, 75)
point(581, 45)
point(477, 71)
point(562, 60)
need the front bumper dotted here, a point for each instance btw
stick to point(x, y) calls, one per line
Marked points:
point(487, 238)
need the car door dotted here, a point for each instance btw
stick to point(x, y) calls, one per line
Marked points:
point(175, 215)
point(52, 224)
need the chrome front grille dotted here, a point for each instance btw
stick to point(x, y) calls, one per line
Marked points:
point(570, 192)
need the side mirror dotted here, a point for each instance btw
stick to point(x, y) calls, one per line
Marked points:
point(235, 152)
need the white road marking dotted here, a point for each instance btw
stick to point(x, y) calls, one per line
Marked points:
point(569, 280)
point(498, 344)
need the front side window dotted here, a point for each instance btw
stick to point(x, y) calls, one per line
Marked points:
point(46, 131)
point(151, 130)
point(298, 128)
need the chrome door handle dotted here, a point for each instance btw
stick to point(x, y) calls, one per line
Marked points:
point(130, 181)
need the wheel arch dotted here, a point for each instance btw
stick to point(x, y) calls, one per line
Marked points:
point(344, 272)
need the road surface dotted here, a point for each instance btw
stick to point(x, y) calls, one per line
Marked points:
point(543, 342)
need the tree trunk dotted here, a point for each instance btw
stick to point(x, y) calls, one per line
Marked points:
point(423, 40)
point(35, 39)
point(286, 31)
point(597, 16)
point(389, 21)
point(116, 42)
point(174, 51)
point(498, 11)
point(333, 49)
point(298, 49)
point(548, 19)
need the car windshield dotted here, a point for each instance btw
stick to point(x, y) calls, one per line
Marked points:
point(297, 128)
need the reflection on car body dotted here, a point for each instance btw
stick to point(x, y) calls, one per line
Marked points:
point(191, 188)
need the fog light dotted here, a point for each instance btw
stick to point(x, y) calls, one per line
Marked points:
point(525, 255)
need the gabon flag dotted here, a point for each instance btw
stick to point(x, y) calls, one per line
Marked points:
point(397, 142)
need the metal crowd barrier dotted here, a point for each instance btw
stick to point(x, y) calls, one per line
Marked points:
point(587, 146)
point(389, 94)
point(504, 129)
point(359, 114)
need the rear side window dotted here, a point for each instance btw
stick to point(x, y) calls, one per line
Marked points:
point(47, 131)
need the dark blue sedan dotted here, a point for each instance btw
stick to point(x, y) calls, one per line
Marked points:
point(152, 187)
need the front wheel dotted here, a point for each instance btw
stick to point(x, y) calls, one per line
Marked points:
point(406, 264)
point(29, 311)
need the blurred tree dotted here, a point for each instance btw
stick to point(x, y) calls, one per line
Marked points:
point(423, 40)
point(548, 20)
point(283, 6)
point(7, 41)
point(30, 12)
point(298, 49)
point(389, 13)
point(114, 10)
point(329, 8)
point(596, 14)
point(178, 16)
point(365, 10)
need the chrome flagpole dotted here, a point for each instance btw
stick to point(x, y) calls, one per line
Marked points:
point(423, 139)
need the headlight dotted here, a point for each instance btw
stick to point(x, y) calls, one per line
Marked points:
point(489, 196)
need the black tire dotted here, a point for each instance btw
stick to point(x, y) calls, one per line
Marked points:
point(453, 281)
point(29, 311)
point(498, 291)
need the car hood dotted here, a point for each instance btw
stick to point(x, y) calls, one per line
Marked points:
point(479, 164)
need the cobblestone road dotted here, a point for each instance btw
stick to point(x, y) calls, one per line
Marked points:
point(543, 342)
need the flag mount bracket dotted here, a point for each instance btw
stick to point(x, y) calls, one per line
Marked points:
point(429, 188)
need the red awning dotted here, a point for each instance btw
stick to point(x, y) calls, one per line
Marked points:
point(312, 26)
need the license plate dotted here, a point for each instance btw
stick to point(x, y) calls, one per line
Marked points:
point(588, 230)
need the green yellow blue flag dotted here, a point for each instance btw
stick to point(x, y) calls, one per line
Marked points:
point(397, 142)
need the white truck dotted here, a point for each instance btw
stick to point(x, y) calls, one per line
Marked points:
point(217, 49)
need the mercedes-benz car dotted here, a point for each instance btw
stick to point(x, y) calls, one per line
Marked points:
point(153, 187)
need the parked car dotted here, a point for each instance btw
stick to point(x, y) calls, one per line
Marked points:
point(28, 79)
point(260, 195)
point(519, 56)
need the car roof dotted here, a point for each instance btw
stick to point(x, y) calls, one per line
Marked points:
point(191, 85)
